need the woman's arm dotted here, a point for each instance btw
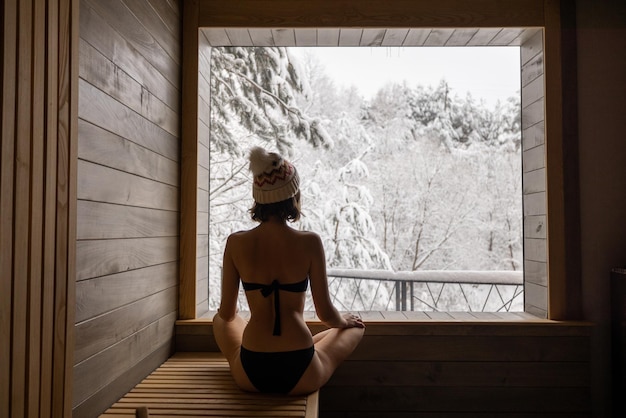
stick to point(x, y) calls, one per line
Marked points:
point(324, 307)
point(230, 283)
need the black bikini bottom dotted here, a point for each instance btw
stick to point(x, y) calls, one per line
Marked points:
point(276, 372)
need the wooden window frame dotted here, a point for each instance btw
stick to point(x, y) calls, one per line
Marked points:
point(562, 277)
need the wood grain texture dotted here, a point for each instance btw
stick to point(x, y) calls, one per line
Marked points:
point(128, 210)
point(453, 368)
point(101, 370)
point(370, 14)
point(104, 294)
point(107, 112)
point(96, 220)
point(102, 184)
point(104, 331)
point(132, 28)
point(100, 146)
point(98, 70)
point(189, 162)
point(97, 31)
point(201, 384)
point(101, 257)
point(37, 185)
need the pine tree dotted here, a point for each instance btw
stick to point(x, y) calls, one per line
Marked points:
point(256, 89)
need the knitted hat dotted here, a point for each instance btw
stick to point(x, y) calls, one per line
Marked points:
point(275, 179)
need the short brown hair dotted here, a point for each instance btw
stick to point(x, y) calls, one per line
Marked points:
point(285, 210)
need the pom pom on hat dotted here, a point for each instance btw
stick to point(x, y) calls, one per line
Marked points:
point(275, 179)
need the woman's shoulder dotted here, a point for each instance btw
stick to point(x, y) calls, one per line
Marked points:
point(309, 236)
point(238, 236)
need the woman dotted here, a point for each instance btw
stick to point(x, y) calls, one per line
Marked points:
point(275, 350)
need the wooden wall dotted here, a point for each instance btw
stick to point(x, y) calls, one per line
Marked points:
point(534, 177)
point(128, 195)
point(37, 206)
point(204, 116)
point(460, 369)
point(464, 370)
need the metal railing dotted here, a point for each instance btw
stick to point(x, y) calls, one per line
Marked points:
point(471, 291)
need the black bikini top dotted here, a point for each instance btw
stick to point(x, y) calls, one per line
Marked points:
point(274, 287)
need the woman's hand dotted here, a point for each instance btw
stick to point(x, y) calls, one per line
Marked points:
point(353, 321)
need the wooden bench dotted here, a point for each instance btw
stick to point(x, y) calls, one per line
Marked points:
point(200, 384)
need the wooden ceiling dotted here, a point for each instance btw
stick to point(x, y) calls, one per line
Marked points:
point(333, 37)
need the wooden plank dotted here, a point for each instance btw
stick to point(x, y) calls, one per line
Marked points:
point(66, 207)
point(169, 15)
point(534, 181)
point(102, 184)
point(533, 91)
point(394, 36)
point(502, 400)
point(215, 36)
point(98, 33)
point(131, 28)
point(22, 180)
point(439, 414)
point(115, 361)
point(534, 159)
point(535, 204)
point(461, 374)
point(416, 37)
point(461, 37)
point(100, 146)
point(200, 384)
point(239, 36)
point(284, 37)
point(39, 103)
point(371, 14)
point(328, 37)
point(484, 36)
point(96, 220)
point(306, 37)
point(261, 36)
point(472, 348)
point(7, 195)
point(36, 214)
point(101, 257)
point(107, 112)
point(438, 37)
point(97, 296)
point(533, 114)
point(531, 48)
point(156, 27)
point(506, 36)
point(189, 162)
point(350, 36)
point(115, 389)
point(90, 338)
point(372, 37)
point(535, 250)
point(532, 69)
point(533, 136)
point(99, 71)
point(49, 239)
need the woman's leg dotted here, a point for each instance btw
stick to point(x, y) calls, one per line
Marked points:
point(332, 347)
point(228, 335)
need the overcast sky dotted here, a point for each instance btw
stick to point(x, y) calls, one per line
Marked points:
point(489, 73)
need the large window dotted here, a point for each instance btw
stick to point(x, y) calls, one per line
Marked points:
point(411, 172)
point(534, 154)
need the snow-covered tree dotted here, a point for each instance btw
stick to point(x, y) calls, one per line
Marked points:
point(257, 88)
point(414, 179)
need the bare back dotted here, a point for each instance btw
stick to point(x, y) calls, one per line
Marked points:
point(275, 251)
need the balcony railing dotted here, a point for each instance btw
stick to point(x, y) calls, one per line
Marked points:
point(470, 291)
